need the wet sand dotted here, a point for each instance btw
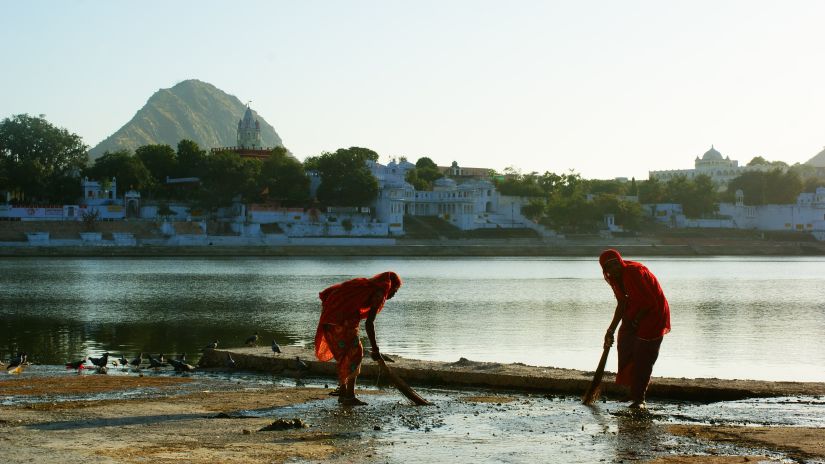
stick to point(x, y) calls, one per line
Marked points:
point(213, 418)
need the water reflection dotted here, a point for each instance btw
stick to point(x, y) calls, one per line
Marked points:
point(732, 318)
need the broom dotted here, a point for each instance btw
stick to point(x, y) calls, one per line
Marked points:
point(402, 386)
point(594, 390)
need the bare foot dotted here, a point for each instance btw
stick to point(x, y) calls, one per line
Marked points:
point(353, 401)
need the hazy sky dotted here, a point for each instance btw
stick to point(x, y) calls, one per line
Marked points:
point(608, 88)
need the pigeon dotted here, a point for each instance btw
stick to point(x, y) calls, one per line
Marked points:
point(16, 364)
point(123, 361)
point(156, 363)
point(101, 361)
point(275, 347)
point(181, 366)
point(300, 365)
point(252, 341)
point(211, 346)
point(229, 361)
point(161, 358)
point(182, 357)
point(77, 365)
point(137, 361)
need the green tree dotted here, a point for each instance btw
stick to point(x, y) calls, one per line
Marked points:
point(191, 159)
point(651, 191)
point(125, 167)
point(757, 161)
point(762, 188)
point(520, 185)
point(345, 178)
point(284, 178)
point(228, 175)
point(38, 159)
point(160, 160)
point(425, 173)
point(534, 209)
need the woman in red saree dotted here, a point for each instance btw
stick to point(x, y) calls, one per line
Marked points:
point(645, 316)
point(343, 306)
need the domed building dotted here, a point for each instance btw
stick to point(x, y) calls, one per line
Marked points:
point(720, 169)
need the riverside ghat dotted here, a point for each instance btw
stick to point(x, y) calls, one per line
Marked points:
point(515, 376)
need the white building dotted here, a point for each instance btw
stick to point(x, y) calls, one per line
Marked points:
point(806, 215)
point(712, 164)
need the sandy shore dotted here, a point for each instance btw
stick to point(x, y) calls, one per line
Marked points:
point(164, 419)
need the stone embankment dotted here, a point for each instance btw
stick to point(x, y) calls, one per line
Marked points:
point(466, 373)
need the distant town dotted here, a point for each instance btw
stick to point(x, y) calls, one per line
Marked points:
point(251, 194)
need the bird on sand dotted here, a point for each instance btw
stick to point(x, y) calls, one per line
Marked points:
point(211, 346)
point(275, 347)
point(137, 361)
point(16, 364)
point(101, 361)
point(252, 341)
point(156, 363)
point(300, 365)
point(77, 365)
point(229, 361)
point(181, 366)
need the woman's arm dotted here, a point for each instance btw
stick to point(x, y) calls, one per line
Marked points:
point(617, 316)
point(375, 305)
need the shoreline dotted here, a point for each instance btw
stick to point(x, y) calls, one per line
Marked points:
point(439, 249)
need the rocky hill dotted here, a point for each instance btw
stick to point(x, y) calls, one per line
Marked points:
point(818, 160)
point(192, 110)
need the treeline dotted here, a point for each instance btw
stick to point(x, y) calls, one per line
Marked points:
point(567, 202)
point(40, 163)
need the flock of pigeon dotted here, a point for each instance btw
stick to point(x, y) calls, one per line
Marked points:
point(179, 364)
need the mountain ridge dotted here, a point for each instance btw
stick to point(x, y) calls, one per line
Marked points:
point(191, 109)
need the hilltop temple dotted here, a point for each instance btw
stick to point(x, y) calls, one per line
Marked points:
point(712, 164)
point(249, 138)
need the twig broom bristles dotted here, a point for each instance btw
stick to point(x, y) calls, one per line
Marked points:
point(594, 390)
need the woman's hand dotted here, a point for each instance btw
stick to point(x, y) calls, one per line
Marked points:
point(608, 340)
point(375, 354)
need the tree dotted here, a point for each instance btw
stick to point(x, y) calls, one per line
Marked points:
point(38, 158)
point(284, 178)
point(160, 160)
point(345, 178)
point(651, 191)
point(763, 188)
point(534, 209)
point(757, 161)
point(226, 176)
point(125, 167)
point(191, 159)
point(425, 173)
point(520, 185)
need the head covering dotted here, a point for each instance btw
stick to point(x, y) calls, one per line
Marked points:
point(610, 255)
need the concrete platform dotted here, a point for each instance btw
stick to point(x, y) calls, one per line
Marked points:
point(466, 373)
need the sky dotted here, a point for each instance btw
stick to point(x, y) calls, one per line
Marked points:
point(605, 88)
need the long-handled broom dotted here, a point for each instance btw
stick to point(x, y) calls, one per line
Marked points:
point(402, 386)
point(594, 390)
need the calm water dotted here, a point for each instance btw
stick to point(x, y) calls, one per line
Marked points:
point(760, 318)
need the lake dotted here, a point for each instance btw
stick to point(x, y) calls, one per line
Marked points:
point(732, 317)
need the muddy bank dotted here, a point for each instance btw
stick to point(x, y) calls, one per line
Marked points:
point(220, 419)
point(467, 373)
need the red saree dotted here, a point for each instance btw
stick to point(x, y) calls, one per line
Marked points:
point(638, 347)
point(343, 306)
